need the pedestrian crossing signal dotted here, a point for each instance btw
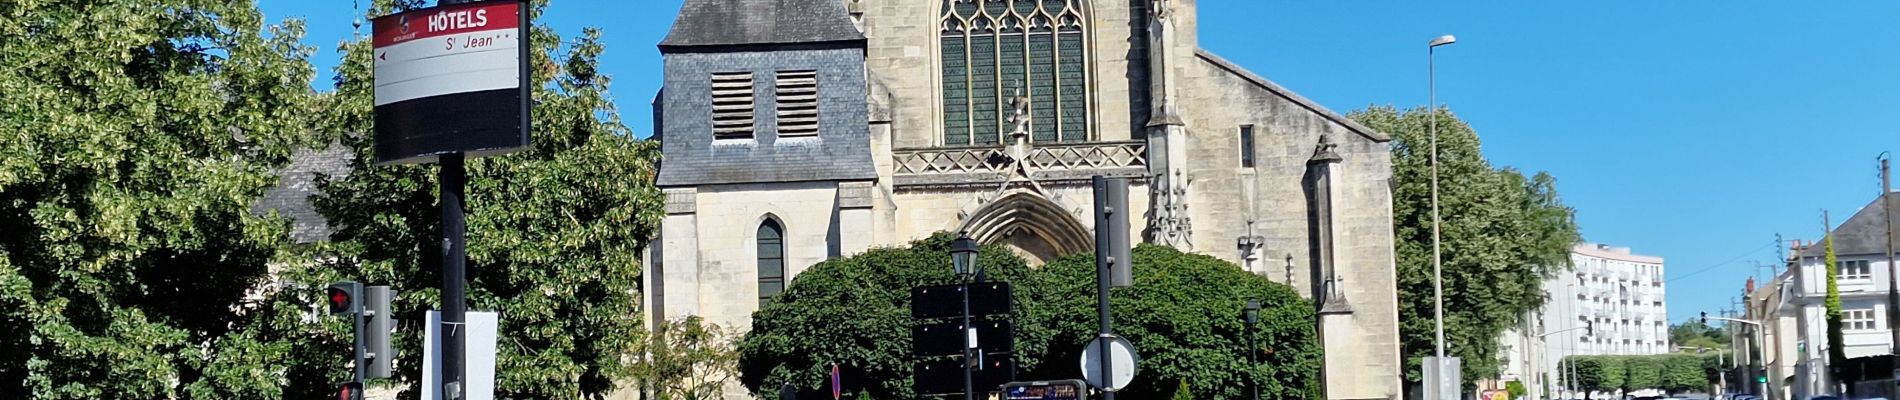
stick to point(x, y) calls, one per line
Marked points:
point(349, 391)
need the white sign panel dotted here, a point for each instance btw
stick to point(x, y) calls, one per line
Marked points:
point(482, 328)
point(448, 50)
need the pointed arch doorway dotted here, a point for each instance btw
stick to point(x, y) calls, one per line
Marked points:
point(1031, 225)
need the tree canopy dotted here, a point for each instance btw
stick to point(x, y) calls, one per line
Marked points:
point(854, 311)
point(554, 232)
point(138, 135)
point(1596, 373)
point(1503, 234)
point(1695, 334)
point(1675, 372)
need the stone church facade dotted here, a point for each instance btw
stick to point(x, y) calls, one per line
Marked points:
point(799, 130)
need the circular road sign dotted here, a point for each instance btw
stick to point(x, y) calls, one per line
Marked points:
point(1121, 362)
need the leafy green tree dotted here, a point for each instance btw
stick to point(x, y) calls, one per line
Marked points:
point(1516, 389)
point(854, 311)
point(1597, 373)
point(1695, 334)
point(1172, 315)
point(1644, 372)
point(1836, 350)
point(1503, 234)
point(1683, 372)
point(1181, 391)
point(688, 359)
point(138, 135)
point(554, 232)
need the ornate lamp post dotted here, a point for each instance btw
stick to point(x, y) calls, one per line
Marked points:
point(1253, 347)
point(963, 254)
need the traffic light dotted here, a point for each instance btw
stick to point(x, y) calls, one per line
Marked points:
point(344, 297)
point(349, 391)
point(1589, 328)
point(1705, 317)
point(379, 323)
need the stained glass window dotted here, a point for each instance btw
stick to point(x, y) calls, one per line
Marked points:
point(996, 50)
point(771, 261)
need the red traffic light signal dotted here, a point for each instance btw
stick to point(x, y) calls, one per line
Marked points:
point(349, 391)
point(344, 297)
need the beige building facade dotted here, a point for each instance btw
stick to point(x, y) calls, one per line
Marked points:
point(800, 130)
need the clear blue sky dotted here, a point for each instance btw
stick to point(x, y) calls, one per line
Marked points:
point(1691, 130)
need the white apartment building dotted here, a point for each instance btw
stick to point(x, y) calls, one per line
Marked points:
point(1611, 302)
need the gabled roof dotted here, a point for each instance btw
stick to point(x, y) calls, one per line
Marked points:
point(1862, 234)
point(297, 182)
point(1263, 83)
point(747, 22)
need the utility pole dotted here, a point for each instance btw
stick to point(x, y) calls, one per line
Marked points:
point(1886, 215)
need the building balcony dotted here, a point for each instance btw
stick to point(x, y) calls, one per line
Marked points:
point(1042, 161)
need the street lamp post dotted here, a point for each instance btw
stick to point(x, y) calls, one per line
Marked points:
point(1253, 348)
point(1441, 379)
point(1438, 277)
point(963, 253)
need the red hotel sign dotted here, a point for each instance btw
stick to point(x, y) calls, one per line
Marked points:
point(451, 79)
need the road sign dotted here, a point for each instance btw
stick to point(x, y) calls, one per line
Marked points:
point(1122, 360)
point(944, 301)
point(1443, 378)
point(451, 79)
point(945, 376)
point(947, 338)
point(482, 327)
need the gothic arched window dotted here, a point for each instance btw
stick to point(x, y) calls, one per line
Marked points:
point(771, 261)
point(995, 50)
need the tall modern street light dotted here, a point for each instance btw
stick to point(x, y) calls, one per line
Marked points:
point(963, 257)
point(1441, 373)
point(1438, 277)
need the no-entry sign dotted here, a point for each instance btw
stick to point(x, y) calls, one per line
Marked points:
point(451, 79)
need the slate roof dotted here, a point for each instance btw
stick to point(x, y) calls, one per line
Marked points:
point(743, 22)
point(297, 182)
point(1862, 234)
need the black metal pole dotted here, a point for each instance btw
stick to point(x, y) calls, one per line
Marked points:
point(1104, 237)
point(969, 361)
point(1253, 351)
point(1101, 303)
point(454, 296)
point(361, 367)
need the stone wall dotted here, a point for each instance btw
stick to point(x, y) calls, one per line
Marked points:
point(1217, 98)
point(719, 236)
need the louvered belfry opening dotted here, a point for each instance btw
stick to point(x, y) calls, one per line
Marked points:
point(732, 105)
point(797, 103)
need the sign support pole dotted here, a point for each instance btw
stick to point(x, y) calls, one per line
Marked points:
point(454, 258)
point(1106, 210)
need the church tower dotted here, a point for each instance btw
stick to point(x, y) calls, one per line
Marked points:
point(767, 165)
